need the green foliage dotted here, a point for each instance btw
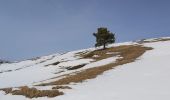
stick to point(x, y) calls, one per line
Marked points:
point(104, 37)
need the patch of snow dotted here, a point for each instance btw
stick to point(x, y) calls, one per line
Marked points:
point(110, 53)
point(96, 56)
point(76, 62)
point(101, 62)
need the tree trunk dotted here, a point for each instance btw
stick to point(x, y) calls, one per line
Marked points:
point(104, 46)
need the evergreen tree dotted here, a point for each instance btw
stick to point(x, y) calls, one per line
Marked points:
point(104, 37)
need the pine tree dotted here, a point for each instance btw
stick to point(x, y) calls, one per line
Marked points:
point(104, 37)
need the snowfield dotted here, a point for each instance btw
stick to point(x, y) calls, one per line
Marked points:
point(145, 79)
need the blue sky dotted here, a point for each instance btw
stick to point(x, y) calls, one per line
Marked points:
point(30, 28)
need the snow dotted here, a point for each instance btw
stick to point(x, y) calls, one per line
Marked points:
point(30, 72)
point(154, 39)
point(96, 56)
point(24, 64)
point(76, 62)
point(145, 79)
point(110, 53)
point(102, 62)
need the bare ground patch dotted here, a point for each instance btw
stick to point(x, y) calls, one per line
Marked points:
point(32, 92)
point(61, 87)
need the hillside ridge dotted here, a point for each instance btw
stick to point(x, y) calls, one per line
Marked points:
point(55, 74)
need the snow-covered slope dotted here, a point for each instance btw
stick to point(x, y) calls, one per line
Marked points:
point(145, 79)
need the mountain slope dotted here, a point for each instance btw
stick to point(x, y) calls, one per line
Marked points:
point(146, 78)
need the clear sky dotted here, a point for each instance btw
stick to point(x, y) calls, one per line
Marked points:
point(30, 28)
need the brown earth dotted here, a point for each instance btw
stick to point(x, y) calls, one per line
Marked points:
point(32, 92)
point(61, 87)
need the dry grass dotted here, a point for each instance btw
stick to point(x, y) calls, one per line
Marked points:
point(100, 53)
point(61, 87)
point(79, 54)
point(32, 92)
point(129, 54)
